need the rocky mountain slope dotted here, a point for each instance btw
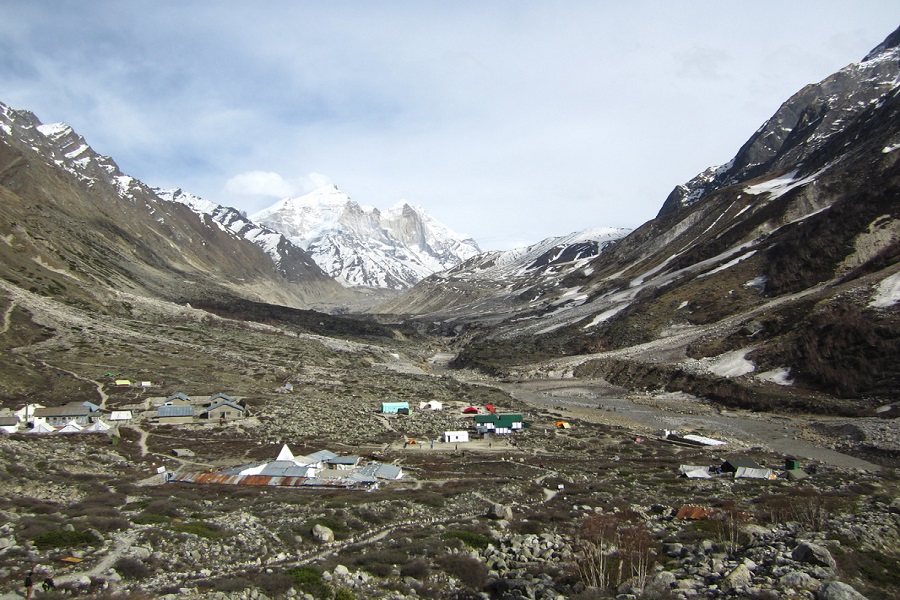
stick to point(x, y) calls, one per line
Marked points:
point(361, 246)
point(74, 226)
point(769, 282)
point(505, 282)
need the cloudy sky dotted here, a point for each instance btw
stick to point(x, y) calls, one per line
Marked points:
point(511, 121)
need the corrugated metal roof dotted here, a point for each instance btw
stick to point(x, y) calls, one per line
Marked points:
point(506, 419)
point(175, 410)
point(225, 479)
point(320, 456)
point(233, 405)
point(69, 410)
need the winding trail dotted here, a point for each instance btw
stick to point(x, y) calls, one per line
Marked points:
point(7, 316)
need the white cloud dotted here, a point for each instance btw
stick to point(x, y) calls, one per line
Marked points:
point(512, 122)
point(260, 183)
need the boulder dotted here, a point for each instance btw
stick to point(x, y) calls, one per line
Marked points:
point(813, 554)
point(322, 534)
point(341, 571)
point(798, 580)
point(499, 511)
point(837, 590)
point(739, 577)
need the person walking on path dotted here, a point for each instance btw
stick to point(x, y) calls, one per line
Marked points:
point(29, 584)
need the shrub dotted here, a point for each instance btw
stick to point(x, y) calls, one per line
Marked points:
point(309, 580)
point(150, 519)
point(470, 538)
point(417, 569)
point(274, 584)
point(132, 568)
point(64, 539)
point(105, 525)
point(200, 529)
point(472, 573)
point(344, 594)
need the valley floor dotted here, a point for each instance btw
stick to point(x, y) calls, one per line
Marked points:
point(593, 402)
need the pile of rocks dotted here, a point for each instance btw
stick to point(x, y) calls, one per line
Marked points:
point(520, 551)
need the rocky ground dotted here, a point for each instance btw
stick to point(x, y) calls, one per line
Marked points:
point(586, 512)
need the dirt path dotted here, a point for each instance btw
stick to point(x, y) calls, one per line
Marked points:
point(7, 316)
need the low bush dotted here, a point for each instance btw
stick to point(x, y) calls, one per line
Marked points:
point(309, 581)
point(64, 539)
point(200, 529)
point(417, 569)
point(472, 573)
point(132, 568)
point(470, 538)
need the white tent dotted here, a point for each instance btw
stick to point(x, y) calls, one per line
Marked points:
point(751, 473)
point(42, 427)
point(694, 472)
point(71, 427)
point(703, 440)
point(99, 425)
point(285, 453)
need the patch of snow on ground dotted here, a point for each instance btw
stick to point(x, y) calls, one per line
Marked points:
point(640, 280)
point(604, 316)
point(781, 376)
point(758, 282)
point(729, 264)
point(730, 364)
point(888, 292)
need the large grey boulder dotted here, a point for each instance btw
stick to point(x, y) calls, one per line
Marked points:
point(813, 554)
point(837, 590)
point(322, 534)
point(739, 577)
point(798, 580)
point(499, 511)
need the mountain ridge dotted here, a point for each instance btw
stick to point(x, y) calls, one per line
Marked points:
point(360, 245)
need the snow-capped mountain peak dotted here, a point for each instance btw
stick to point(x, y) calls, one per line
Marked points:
point(360, 245)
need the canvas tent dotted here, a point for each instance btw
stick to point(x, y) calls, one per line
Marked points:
point(694, 472)
point(98, 425)
point(70, 427)
point(795, 474)
point(42, 427)
point(734, 463)
point(753, 473)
